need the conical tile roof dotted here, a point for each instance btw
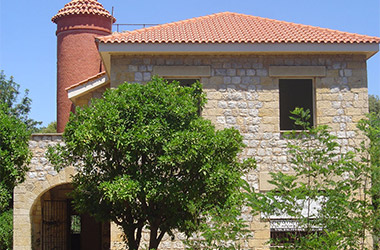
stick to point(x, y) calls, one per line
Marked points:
point(78, 7)
point(228, 27)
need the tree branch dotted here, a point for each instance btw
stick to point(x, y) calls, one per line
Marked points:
point(139, 232)
point(162, 233)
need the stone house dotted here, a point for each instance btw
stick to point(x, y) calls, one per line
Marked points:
point(254, 71)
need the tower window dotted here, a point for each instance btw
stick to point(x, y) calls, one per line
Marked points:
point(295, 93)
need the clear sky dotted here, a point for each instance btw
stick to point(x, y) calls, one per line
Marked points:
point(28, 41)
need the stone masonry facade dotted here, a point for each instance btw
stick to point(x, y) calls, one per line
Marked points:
point(243, 93)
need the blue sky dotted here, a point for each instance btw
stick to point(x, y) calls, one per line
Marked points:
point(28, 41)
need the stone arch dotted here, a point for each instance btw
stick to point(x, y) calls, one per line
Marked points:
point(43, 212)
point(58, 193)
point(27, 207)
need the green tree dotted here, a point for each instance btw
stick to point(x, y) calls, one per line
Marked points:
point(224, 229)
point(327, 196)
point(14, 157)
point(17, 107)
point(145, 158)
point(50, 128)
point(374, 104)
point(371, 156)
point(6, 229)
point(15, 130)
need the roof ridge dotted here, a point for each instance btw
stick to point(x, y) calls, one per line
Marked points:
point(249, 16)
point(179, 22)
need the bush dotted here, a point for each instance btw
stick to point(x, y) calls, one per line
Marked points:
point(6, 231)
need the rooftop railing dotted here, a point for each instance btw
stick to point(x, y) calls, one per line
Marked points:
point(120, 27)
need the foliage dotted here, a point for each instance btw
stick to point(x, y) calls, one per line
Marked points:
point(14, 155)
point(145, 158)
point(6, 230)
point(374, 104)
point(371, 155)
point(224, 229)
point(50, 128)
point(326, 196)
point(15, 130)
point(9, 96)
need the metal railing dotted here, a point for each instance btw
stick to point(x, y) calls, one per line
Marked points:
point(131, 25)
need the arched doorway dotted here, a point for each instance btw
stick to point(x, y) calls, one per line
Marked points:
point(62, 228)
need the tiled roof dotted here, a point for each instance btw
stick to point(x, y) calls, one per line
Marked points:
point(76, 7)
point(99, 75)
point(227, 27)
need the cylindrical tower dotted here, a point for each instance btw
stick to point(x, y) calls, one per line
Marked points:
point(78, 23)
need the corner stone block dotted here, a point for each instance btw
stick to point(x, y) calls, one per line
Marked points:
point(268, 112)
point(267, 96)
point(264, 184)
point(259, 225)
point(262, 234)
point(254, 243)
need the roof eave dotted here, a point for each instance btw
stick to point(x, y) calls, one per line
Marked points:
point(107, 49)
point(87, 86)
point(364, 48)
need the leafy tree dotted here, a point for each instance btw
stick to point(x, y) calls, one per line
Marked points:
point(14, 154)
point(145, 158)
point(6, 229)
point(374, 104)
point(50, 128)
point(224, 229)
point(19, 108)
point(326, 197)
point(14, 157)
point(371, 156)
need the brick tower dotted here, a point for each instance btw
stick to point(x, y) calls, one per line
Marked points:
point(78, 23)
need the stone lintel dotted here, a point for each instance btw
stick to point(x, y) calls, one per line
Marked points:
point(297, 71)
point(182, 71)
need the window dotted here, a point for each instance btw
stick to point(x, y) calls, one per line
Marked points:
point(184, 82)
point(295, 93)
point(187, 82)
point(286, 229)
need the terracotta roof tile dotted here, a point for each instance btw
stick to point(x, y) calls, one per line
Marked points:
point(76, 7)
point(99, 75)
point(228, 27)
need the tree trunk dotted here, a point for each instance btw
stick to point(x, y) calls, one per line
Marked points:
point(376, 227)
point(131, 241)
point(155, 239)
point(132, 245)
point(153, 242)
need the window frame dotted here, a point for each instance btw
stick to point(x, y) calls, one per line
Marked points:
point(292, 226)
point(313, 95)
point(170, 79)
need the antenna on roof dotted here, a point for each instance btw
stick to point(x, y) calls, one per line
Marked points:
point(112, 17)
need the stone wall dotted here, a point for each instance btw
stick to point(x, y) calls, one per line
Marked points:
point(242, 94)
point(27, 197)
